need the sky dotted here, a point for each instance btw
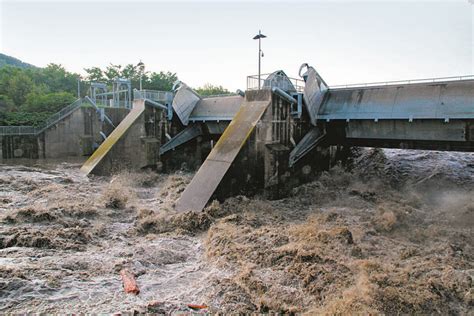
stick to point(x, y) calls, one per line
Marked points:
point(211, 42)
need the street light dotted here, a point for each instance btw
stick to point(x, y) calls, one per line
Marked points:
point(141, 67)
point(259, 36)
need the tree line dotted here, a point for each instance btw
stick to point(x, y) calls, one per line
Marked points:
point(30, 95)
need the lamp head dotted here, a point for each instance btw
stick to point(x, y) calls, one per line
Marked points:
point(259, 35)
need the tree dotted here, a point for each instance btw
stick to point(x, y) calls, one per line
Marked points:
point(131, 72)
point(111, 72)
point(162, 81)
point(6, 104)
point(6, 73)
point(18, 87)
point(23, 118)
point(51, 102)
point(209, 89)
point(95, 74)
point(30, 95)
point(55, 78)
point(153, 81)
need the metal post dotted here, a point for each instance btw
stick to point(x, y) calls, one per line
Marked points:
point(259, 36)
point(141, 68)
point(259, 58)
point(78, 87)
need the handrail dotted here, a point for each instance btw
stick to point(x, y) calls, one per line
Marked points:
point(35, 130)
point(252, 81)
point(17, 130)
point(409, 81)
point(230, 94)
point(56, 117)
point(155, 95)
point(298, 82)
point(99, 110)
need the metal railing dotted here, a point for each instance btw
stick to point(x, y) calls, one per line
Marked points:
point(396, 82)
point(119, 104)
point(56, 117)
point(230, 94)
point(102, 103)
point(35, 130)
point(165, 97)
point(253, 83)
point(17, 130)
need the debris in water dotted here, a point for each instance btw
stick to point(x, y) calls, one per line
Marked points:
point(197, 307)
point(129, 283)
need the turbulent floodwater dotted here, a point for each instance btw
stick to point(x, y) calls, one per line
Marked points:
point(391, 234)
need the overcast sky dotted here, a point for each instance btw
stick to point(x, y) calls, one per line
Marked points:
point(211, 42)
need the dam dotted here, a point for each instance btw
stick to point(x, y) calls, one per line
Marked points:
point(276, 134)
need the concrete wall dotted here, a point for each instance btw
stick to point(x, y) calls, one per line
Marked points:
point(25, 146)
point(138, 147)
point(69, 137)
point(79, 133)
point(76, 135)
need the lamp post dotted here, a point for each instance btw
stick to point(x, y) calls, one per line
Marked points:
point(141, 67)
point(259, 36)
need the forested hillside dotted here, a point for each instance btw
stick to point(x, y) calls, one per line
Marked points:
point(29, 94)
point(6, 60)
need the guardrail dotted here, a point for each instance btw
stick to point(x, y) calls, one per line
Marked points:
point(165, 97)
point(230, 94)
point(396, 82)
point(56, 117)
point(17, 130)
point(35, 130)
point(253, 83)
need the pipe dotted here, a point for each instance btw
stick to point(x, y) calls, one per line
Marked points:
point(107, 119)
point(284, 95)
point(156, 104)
point(103, 135)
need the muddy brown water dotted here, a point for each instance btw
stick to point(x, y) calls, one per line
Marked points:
point(391, 235)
